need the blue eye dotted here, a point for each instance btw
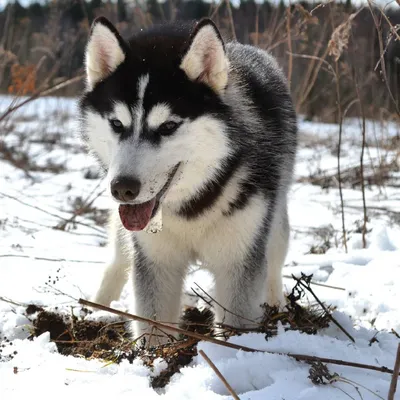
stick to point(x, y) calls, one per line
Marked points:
point(117, 125)
point(168, 128)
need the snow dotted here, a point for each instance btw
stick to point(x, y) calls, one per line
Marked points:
point(53, 268)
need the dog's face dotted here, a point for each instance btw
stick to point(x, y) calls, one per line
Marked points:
point(152, 113)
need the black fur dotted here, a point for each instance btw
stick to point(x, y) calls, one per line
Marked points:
point(211, 191)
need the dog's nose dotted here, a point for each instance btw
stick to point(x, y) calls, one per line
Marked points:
point(125, 189)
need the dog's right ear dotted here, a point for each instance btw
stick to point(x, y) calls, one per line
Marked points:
point(105, 51)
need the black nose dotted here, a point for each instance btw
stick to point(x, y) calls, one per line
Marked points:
point(125, 189)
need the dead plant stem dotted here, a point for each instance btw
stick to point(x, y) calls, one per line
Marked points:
point(306, 287)
point(220, 376)
point(364, 227)
point(339, 149)
point(289, 41)
point(41, 93)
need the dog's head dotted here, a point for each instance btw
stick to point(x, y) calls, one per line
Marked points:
point(153, 112)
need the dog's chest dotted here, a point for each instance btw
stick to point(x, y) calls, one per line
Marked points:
point(214, 236)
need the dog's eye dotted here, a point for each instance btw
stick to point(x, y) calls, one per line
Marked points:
point(168, 128)
point(117, 125)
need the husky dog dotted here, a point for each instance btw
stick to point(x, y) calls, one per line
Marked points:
point(201, 135)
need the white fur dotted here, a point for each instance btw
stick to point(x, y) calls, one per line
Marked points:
point(276, 252)
point(158, 115)
point(142, 83)
point(100, 137)
point(117, 270)
point(123, 114)
point(103, 54)
point(206, 60)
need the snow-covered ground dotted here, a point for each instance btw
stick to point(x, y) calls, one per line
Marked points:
point(54, 267)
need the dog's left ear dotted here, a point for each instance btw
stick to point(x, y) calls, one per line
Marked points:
point(205, 60)
point(105, 51)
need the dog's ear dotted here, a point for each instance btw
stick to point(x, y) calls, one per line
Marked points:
point(105, 51)
point(205, 60)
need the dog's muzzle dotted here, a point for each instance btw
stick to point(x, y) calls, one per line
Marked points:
point(135, 217)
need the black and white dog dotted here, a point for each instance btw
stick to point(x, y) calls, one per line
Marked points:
point(198, 140)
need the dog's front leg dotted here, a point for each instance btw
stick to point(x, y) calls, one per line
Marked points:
point(157, 275)
point(241, 279)
point(240, 292)
point(115, 274)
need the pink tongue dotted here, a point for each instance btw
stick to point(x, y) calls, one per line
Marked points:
point(136, 217)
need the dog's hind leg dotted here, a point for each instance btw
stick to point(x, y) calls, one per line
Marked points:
point(116, 272)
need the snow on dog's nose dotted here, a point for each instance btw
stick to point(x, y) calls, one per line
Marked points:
point(125, 189)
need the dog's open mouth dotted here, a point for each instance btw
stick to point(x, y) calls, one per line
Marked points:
point(135, 217)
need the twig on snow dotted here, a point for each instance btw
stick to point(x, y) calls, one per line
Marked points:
point(395, 333)
point(87, 203)
point(318, 284)
point(50, 259)
point(300, 357)
point(356, 386)
point(61, 292)
point(395, 377)
point(7, 300)
point(48, 212)
point(220, 376)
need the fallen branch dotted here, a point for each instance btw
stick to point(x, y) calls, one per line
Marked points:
point(299, 357)
point(220, 376)
point(393, 383)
